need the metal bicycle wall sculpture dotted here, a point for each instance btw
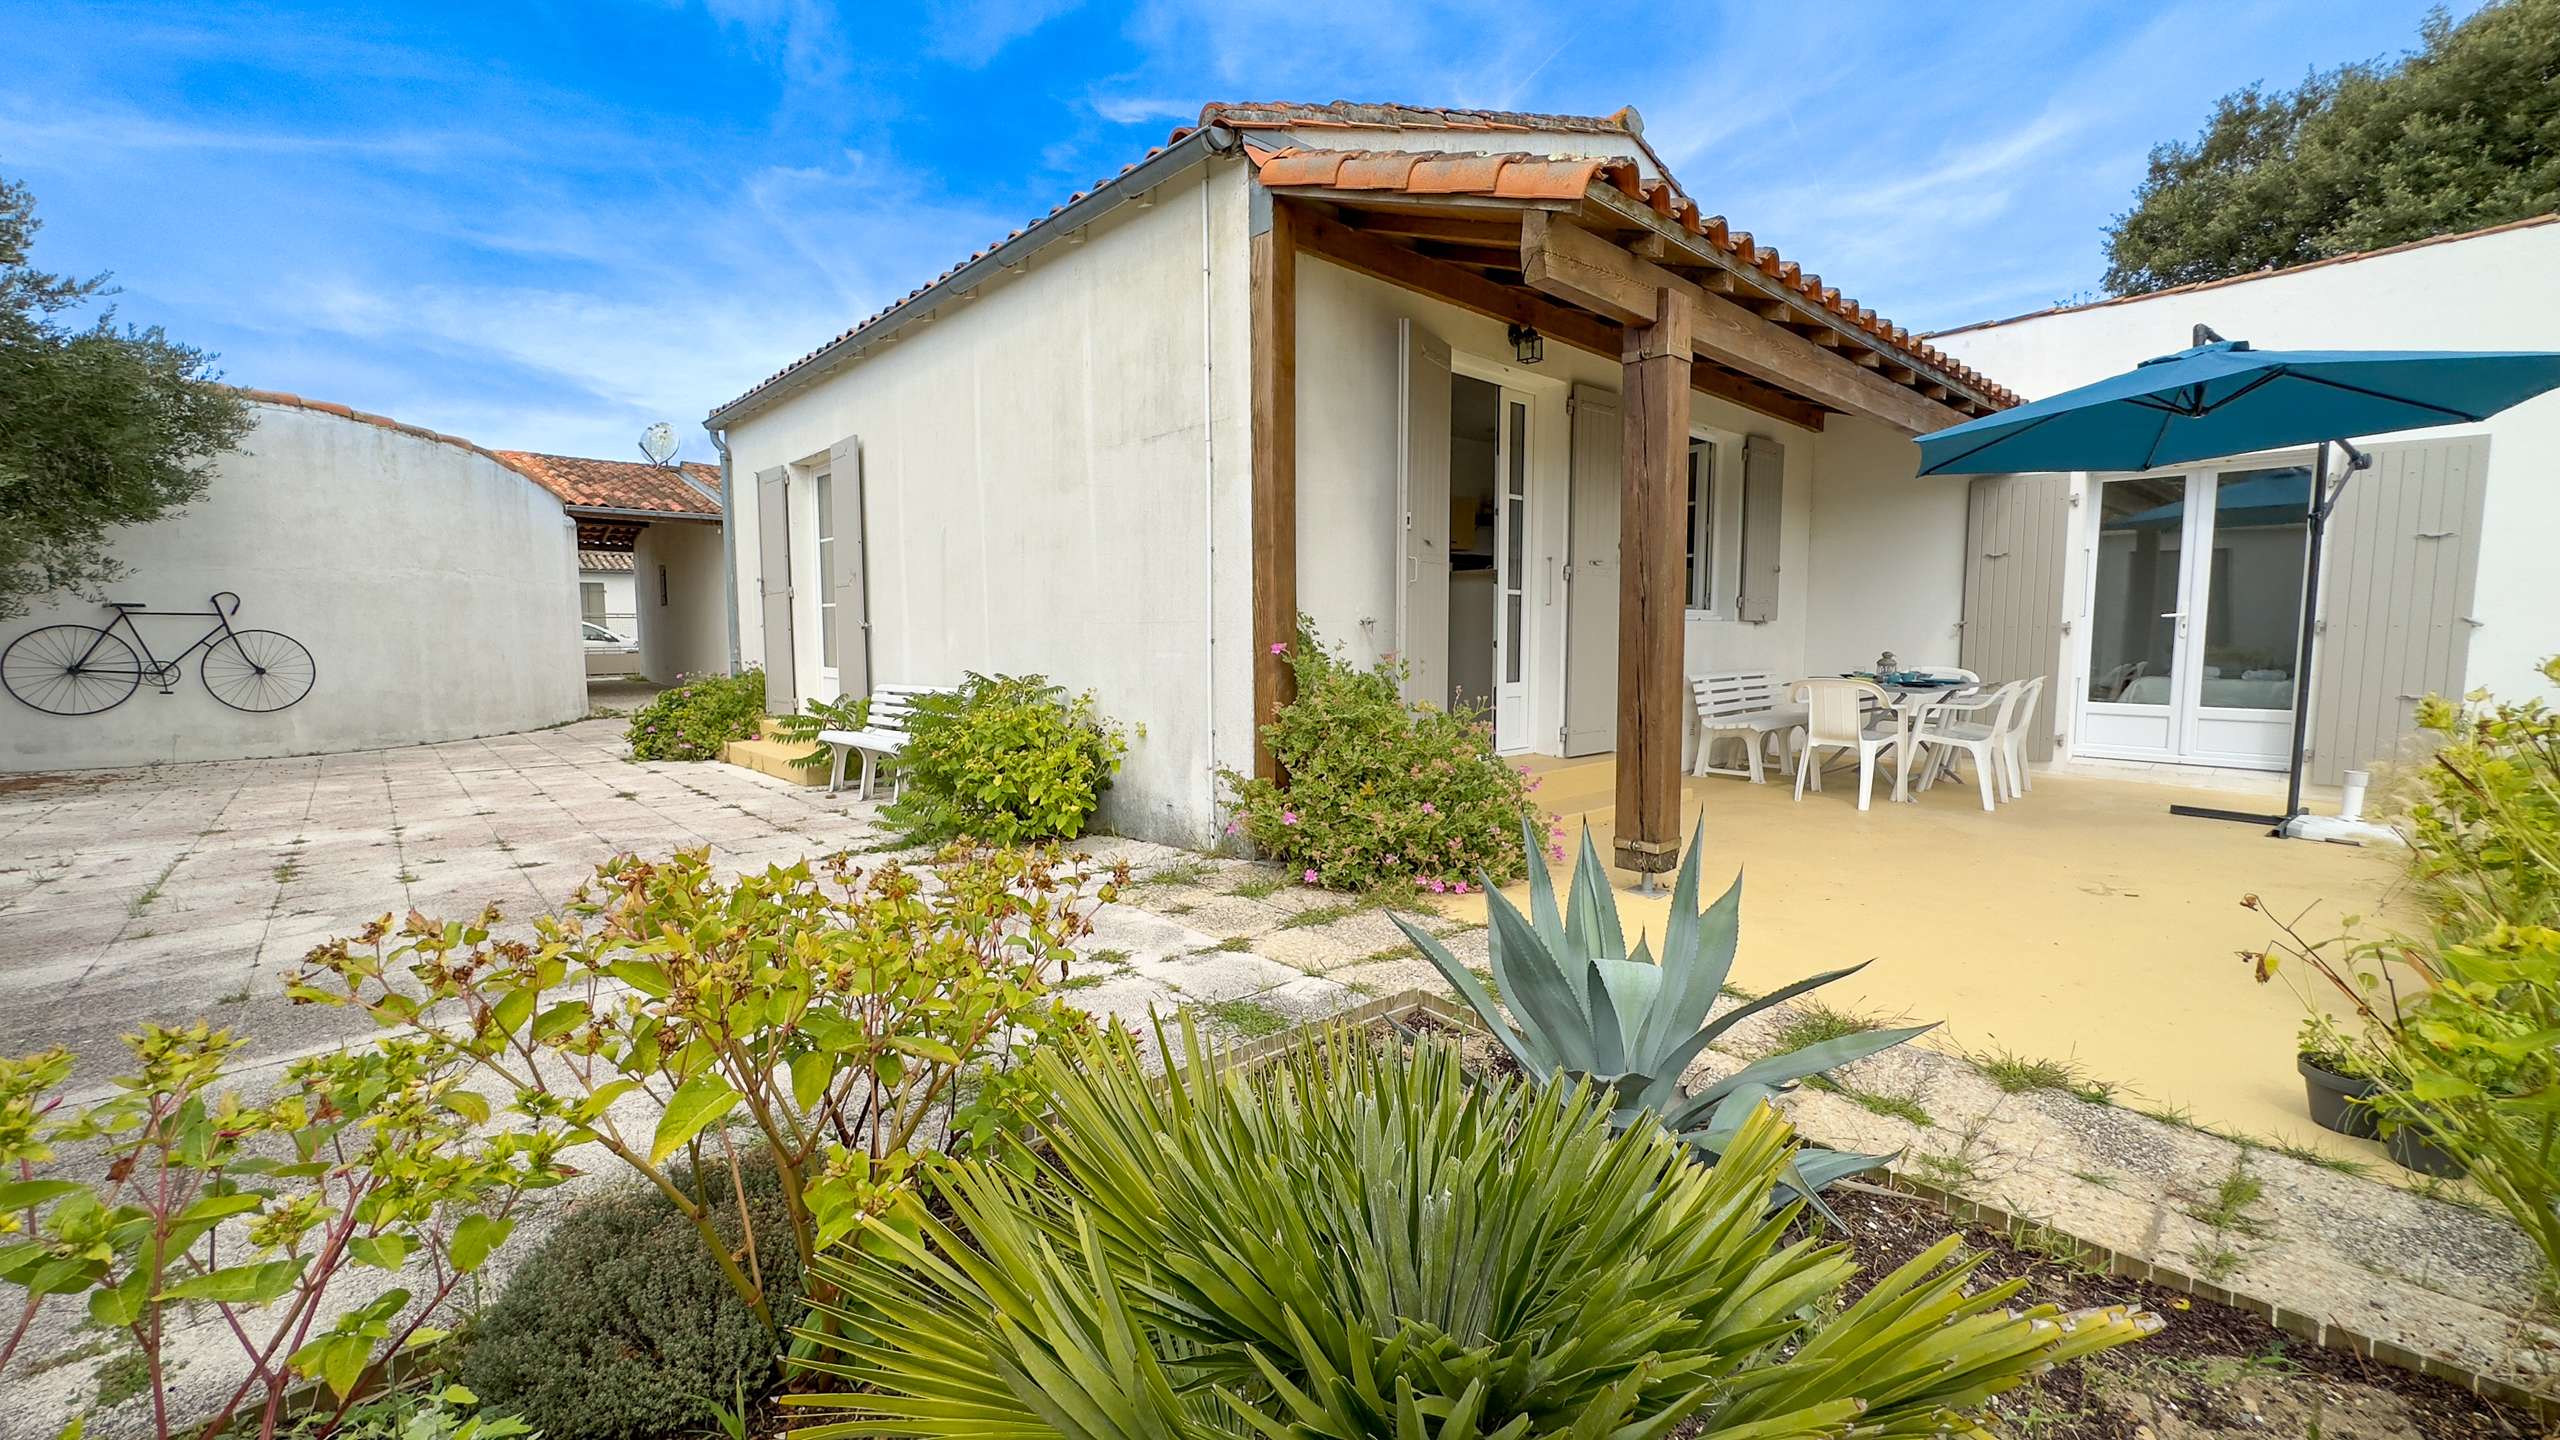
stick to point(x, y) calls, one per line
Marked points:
point(85, 669)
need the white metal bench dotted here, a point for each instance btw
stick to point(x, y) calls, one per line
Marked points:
point(1749, 706)
point(881, 740)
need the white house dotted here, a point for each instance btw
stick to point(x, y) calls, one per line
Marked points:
point(1484, 391)
point(2171, 602)
point(649, 554)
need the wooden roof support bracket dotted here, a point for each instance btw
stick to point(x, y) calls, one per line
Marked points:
point(1570, 263)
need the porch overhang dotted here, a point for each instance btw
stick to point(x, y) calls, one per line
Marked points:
point(1596, 257)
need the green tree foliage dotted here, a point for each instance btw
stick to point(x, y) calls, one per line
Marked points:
point(2461, 133)
point(99, 426)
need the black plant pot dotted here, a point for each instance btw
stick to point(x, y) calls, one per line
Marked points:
point(2337, 1101)
point(2410, 1149)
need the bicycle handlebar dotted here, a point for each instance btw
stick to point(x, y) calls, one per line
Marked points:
point(220, 595)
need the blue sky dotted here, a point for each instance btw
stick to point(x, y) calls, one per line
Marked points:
point(544, 225)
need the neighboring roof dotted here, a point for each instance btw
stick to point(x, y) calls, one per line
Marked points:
point(691, 489)
point(618, 561)
point(2527, 223)
point(1520, 174)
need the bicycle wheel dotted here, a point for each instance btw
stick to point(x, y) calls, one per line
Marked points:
point(257, 670)
point(70, 669)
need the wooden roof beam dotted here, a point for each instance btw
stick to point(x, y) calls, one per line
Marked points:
point(1572, 264)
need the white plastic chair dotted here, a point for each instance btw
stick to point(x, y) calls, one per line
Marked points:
point(1949, 672)
point(1836, 719)
point(1987, 742)
point(2022, 779)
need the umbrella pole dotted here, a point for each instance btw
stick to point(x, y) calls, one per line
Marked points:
point(2321, 501)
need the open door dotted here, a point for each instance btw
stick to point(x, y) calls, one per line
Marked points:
point(1591, 576)
point(773, 588)
point(1422, 504)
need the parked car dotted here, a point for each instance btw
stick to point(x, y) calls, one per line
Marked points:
point(599, 638)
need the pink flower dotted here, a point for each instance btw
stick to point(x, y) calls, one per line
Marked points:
point(1427, 810)
point(1460, 887)
point(1231, 827)
point(1309, 877)
point(1279, 648)
point(1288, 817)
point(1439, 887)
point(1556, 850)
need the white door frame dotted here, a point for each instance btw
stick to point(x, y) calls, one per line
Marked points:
point(2186, 736)
point(1515, 703)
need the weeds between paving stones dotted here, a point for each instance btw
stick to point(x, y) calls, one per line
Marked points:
point(1256, 887)
point(2214, 1371)
point(1248, 1018)
point(1319, 915)
point(2017, 1074)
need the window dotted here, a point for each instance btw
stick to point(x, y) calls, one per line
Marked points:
point(826, 570)
point(591, 601)
point(1702, 525)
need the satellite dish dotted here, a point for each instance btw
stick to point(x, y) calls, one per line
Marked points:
point(658, 442)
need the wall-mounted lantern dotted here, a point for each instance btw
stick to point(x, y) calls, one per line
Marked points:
point(1527, 345)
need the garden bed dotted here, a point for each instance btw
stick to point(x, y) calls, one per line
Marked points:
point(2216, 1369)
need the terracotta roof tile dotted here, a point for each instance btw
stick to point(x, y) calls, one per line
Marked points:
point(689, 489)
point(610, 561)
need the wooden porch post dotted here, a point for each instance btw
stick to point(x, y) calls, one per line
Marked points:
point(1652, 597)
point(1274, 339)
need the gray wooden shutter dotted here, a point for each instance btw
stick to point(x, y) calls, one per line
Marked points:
point(773, 581)
point(1591, 575)
point(2395, 599)
point(1422, 513)
point(1764, 504)
point(2017, 531)
point(853, 612)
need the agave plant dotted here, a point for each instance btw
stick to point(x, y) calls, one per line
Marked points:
point(1631, 1024)
point(1354, 1244)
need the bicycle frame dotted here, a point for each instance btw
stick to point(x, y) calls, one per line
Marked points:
point(159, 672)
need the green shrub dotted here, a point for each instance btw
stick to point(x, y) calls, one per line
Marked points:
point(1378, 792)
point(1353, 1244)
point(697, 717)
point(450, 1412)
point(2467, 1059)
point(620, 1325)
point(1005, 759)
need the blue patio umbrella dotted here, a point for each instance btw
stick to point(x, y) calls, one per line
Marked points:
point(2220, 397)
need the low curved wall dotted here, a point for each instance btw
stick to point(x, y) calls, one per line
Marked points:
point(434, 587)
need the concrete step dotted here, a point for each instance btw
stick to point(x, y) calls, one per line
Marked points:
point(773, 757)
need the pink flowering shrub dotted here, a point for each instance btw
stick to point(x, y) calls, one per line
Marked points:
point(1380, 793)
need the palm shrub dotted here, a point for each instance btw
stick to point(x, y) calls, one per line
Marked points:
point(845, 712)
point(692, 720)
point(1352, 1243)
point(1005, 759)
point(1631, 1025)
point(1375, 792)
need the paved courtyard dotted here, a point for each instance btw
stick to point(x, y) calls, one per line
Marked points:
point(175, 892)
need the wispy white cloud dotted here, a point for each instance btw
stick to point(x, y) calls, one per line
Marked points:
point(973, 32)
point(1132, 109)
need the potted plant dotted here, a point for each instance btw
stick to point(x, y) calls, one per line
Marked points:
point(2337, 1082)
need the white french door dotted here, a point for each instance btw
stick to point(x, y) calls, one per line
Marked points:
point(2195, 616)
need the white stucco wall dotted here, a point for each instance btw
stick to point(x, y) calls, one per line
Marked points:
point(434, 587)
point(2498, 291)
point(1058, 481)
point(621, 614)
point(1888, 552)
point(684, 629)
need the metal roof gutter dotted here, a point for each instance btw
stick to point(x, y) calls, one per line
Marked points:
point(1174, 159)
point(622, 512)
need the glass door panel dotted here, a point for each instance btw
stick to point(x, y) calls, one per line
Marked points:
point(2134, 614)
point(2253, 600)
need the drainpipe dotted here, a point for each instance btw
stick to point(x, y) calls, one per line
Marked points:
point(728, 543)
